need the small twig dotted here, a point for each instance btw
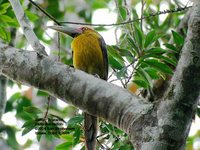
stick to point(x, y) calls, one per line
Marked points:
point(101, 145)
point(112, 24)
point(126, 82)
point(47, 109)
point(131, 21)
point(110, 75)
point(59, 48)
point(129, 78)
point(120, 80)
point(142, 12)
point(45, 12)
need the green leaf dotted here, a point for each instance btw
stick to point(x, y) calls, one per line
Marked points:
point(149, 38)
point(64, 146)
point(32, 110)
point(100, 28)
point(139, 36)
point(75, 120)
point(3, 34)
point(145, 76)
point(141, 83)
point(159, 66)
point(15, 97)
point(4, 7)
point(114, 63)
point(120, 2)
point(123, 12)
point(77, 135)
point(33, 17)
point(178, 39)
point(157, 37)
point(113, 50)
point(171, 47)
point(68, 137)
point(29, 123)
point(156, 50)
point(153, 73)
point(27, 129)
point(133, 45)
point(39, 137)
point(6, 18)
point(42, 93)
point(122, 73)
point(99, 4)
point(21, 103)
point(125, 52)
point(11, 138)
point(168, 60)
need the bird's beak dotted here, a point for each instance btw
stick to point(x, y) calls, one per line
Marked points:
point(67, 30)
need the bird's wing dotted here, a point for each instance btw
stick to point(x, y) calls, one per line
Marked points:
point(105, 57)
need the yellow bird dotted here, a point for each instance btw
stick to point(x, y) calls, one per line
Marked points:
point(89, 55)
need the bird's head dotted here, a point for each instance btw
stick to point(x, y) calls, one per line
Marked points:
point(73, 32)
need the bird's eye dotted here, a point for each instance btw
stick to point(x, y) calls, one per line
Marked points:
point(84, 28)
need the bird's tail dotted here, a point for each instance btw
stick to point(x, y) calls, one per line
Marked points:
point(90, 125)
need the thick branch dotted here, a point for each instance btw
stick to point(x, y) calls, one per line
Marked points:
point(97, 97)
point(175, 112)
point(26, 27)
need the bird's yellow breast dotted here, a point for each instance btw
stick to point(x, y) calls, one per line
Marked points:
point(87, 54)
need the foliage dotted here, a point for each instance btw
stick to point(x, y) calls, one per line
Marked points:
point(145, 51)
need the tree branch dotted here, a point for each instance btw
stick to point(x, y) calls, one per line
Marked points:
point(26, 27)
point(175, 111)
point(95, 96)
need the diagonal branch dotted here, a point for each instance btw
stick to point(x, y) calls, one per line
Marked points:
point(26, 27)
point(95, 96)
